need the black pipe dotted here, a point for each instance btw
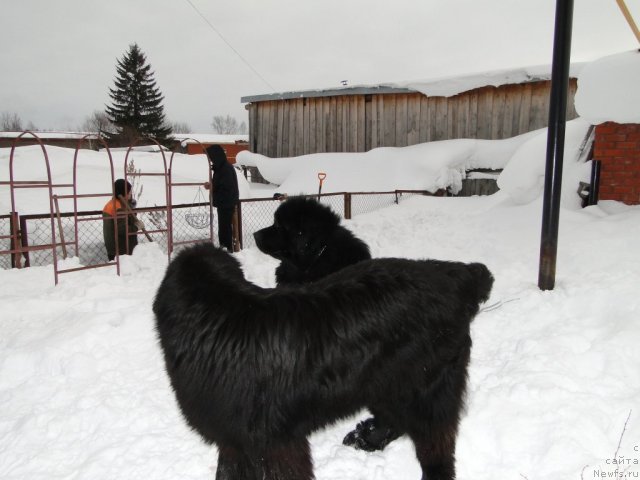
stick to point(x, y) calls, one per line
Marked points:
point(595, 182)
point(555, 144)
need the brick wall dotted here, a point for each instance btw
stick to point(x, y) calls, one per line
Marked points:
point(617, 146)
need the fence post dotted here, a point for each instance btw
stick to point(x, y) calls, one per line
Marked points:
point(24, 240)
point(347, 206)
point(12, 239)
point(237, 223)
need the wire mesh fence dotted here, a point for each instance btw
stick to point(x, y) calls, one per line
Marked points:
point(190, 223)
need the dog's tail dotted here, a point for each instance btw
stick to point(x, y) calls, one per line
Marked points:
point(483, 280)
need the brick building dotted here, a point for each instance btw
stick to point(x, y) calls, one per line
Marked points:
point(608, 97)
point(617, 147)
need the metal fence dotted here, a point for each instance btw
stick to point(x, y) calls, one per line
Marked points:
point(190, 223)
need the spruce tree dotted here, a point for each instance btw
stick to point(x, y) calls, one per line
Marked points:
point(136, 110)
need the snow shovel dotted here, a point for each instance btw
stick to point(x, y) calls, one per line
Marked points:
point(127, 207)
point(321, 177)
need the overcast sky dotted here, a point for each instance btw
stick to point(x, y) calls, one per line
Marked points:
point(58, 57)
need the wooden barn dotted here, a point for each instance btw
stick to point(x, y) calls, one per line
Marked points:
point(357, 119)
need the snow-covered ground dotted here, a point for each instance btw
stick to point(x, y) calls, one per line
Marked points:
point(554, 385)
point(553, 375)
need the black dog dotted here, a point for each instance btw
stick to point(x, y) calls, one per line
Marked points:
point(255, 370)
point(309, 241)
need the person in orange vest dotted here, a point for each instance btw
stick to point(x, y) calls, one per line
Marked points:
point(114, 207)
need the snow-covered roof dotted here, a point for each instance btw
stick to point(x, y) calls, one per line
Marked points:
point(209, 138)
point(609, 89)
point(52, 135)
point(434, 87)
point(450, 86)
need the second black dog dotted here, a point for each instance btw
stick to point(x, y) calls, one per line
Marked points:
point(310, 243)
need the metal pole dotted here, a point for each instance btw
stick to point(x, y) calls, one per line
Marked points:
point(595, 182)
point(555, 144)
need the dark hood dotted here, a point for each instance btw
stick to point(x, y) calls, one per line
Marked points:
point(121, 187)
point(217, 157)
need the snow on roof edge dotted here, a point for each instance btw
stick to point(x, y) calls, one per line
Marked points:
point(52, 135)
point(450, 86)
point(433, 87)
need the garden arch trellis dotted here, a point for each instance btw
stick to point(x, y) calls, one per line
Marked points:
point(17, 247)
point(75, 196)
point(165, 174)
point(170, 242)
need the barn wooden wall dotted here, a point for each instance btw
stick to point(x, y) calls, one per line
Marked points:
point(358, 123)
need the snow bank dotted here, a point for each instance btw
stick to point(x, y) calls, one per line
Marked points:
point(523, 177)
point(426, 166)
point(432, 166)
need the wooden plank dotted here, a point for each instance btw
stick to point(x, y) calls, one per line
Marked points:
point(306, 125)
point(339, 125)
point(253, 127)
point(413, 118)
point(332, 136)
point(515, 98)
point(525, 108)
point(497, 125)
point(353, 123)
point(441, 121)
point(310, 127)
point(433, 118)
point(326, 124)
point(539, 112)
point(452, 113)
point(299, 147)
point(379, 131)
point(260, 148)
point(424, 119)
point(509, 99)
point(280, 107)
point(389, 114)
point(485, 112)
point(293, 111)
point(346, 124)
point(361, 122)
point(369, 111)
point(463, 116)
point(265, 131)
point(472, 129)
point(286, 130)
point(402, 102)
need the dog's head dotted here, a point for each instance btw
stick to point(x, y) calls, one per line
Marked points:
point(301, 227)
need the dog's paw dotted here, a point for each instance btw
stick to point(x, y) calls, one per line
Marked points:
point(369, 436)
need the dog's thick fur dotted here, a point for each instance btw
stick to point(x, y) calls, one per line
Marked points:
point(255, 370)
point(307, 238)
point(309, 241)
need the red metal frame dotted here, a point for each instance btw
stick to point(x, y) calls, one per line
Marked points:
point(170, 242)
point(150, 174)
point(75, 197)
point(19, 249)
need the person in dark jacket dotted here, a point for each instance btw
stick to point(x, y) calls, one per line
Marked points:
point(224, 193)
point(126, 221)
